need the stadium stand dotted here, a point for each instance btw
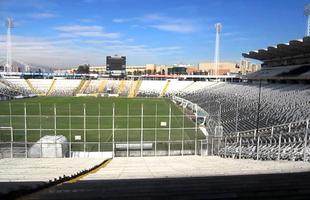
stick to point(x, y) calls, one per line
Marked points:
point(151, 88)
point(135, 87)
point(285, 61)
point(111, 87)
point(92, 87)
point(175, 87)
point(6, 92)
point(41, 85)
point(282, 142)
point(281, 103)
point(65, 87)
point(18, 85)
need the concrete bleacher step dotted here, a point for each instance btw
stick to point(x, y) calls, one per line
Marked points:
point(133, 92)
point(164, 90)
point(51, 88)
point(101, 86)
point(85, 85)
point(188, 177)
point(31, 86)
point(121, 86)
point(79, 87)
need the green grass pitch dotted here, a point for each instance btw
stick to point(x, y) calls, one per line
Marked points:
point(98, 121)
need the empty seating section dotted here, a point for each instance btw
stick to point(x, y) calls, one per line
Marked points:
point(93, 87)
point(273, 71)
point(111, 86)
point(19, 85)
point(41, 85)
point(283, 142)
point(64, 87)
point(280, 103)
point(126, 88)
point(151, 88)
point(176, 87)
point(6, 92)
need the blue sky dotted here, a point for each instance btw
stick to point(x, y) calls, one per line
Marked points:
point(65, 33)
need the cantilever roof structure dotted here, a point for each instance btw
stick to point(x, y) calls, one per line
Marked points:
point(291, 49)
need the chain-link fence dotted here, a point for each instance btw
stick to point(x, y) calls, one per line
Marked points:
point(50, 130)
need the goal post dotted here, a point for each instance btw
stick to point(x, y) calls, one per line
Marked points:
point(6, 141)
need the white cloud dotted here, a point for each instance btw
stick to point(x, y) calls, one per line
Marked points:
point(102, 42)
point(85, 31)
point(87, 20)
point(78, 28)
point(119, 20)
point(43, 15)
point(178, 28)
point(162, 23)
point(69, 52)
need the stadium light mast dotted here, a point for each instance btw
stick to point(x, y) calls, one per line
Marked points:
point(307, 13)
point(9, 25)
point(218, 29)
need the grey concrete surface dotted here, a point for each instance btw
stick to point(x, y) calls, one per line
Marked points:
point(191, 166)
point(188, 177)
point(22, 173)
point(42, 169)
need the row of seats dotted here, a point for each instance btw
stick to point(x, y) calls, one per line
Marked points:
point(10, 89)
point(18, 85)
point(41, 86)
point(283, 142)
point(151, 88)
point(279, 103)
point(6, 92)
point(65, 87)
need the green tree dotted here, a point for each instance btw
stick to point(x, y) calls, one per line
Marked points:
point(83, 69)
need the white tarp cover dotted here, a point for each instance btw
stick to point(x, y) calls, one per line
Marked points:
point(50, 146)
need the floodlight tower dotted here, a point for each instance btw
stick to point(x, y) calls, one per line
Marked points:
point(307, 13)
point(9, 25)
point(218, 29)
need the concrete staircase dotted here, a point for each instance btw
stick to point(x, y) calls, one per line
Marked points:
point(85, 86)
point(31, 86)
point(101, 86)
point(135, 88)
point(163, 92)
point(78, 89)
point(82, 87)
point(121, 86)
point(51, 89)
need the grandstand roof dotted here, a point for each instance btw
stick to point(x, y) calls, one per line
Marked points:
point(291, 49)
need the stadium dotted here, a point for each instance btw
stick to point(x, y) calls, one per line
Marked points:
point(116, 136)
point(173, 117)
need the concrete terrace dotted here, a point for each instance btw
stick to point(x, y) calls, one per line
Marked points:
point(188, 177)
point(191, 166)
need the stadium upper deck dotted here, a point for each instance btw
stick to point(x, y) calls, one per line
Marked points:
point(285, 62)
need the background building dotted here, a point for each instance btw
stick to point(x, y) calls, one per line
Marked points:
point(135, 69)
point(97, 69)
point(224, 68)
